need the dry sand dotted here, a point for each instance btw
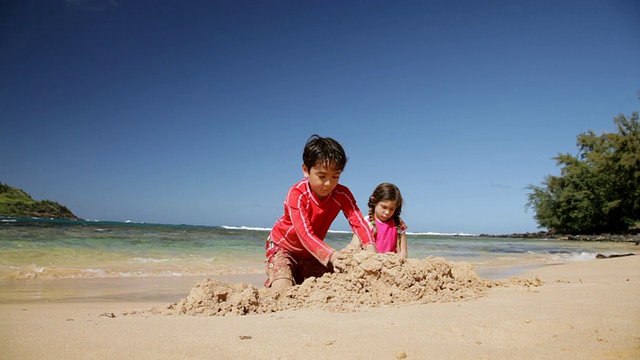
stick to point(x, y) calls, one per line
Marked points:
point(582, 310)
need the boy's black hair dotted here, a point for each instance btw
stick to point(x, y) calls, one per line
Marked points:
point(324, 151)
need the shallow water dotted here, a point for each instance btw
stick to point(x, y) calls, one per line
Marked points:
point(43, 260)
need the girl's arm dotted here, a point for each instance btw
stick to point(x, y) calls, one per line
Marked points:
point(358, 224)
point(355, 241)
point(402, 245)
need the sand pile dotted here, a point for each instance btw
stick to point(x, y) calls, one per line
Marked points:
point(368, 280)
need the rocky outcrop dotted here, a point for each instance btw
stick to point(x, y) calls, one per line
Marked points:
point(630, 237)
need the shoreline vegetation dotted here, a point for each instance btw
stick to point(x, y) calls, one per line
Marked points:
point(597, 191)
point(17, 203)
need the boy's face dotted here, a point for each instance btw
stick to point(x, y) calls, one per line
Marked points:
point(322, 179)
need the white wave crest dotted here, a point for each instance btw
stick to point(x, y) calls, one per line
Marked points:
point(581, 256)
point(245, 228)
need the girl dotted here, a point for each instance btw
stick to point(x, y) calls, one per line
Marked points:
point(389, 231)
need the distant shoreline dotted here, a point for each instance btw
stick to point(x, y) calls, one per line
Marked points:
point(631, 237)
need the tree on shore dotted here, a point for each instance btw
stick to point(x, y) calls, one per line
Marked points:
point(598, 191)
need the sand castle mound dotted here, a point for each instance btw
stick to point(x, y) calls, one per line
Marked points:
point(368, 280)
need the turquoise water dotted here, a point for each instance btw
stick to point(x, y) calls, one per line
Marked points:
point(54, 249)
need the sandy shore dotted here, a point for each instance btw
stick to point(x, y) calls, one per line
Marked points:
point(583, 310)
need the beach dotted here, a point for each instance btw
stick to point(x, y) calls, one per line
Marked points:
point(587, 309)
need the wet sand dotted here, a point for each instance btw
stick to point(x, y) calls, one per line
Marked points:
point(587, 309)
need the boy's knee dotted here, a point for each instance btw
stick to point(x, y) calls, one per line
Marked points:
point(281, 284)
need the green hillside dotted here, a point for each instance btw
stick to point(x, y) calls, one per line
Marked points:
point(17, 203)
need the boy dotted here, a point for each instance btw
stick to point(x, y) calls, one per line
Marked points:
point(295, 248)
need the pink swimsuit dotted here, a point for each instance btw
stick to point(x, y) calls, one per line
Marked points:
point(386, 237)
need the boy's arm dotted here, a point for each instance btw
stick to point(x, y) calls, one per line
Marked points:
point(302, 225)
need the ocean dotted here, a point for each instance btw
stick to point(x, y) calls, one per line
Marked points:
point(63, 260)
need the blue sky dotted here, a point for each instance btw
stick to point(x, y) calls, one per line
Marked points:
point(196, 112)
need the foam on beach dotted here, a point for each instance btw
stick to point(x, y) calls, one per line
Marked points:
point(368, 280)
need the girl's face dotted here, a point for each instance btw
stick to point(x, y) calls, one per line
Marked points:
point(384, 209)
point(322, 180)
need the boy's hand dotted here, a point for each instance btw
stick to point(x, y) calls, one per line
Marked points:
point(338, 261)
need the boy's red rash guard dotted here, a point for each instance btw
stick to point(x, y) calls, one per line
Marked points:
point(306, 221)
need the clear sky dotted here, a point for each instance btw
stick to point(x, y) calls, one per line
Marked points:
point(196, 112)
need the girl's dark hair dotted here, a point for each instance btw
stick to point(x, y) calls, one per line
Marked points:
point(385, 192)
point(324, 151)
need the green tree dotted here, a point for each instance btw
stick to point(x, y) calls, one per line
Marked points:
point(599, 189)
point(17, 203)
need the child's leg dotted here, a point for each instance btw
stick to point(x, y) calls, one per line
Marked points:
point(279, 269)
point(281, 284)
